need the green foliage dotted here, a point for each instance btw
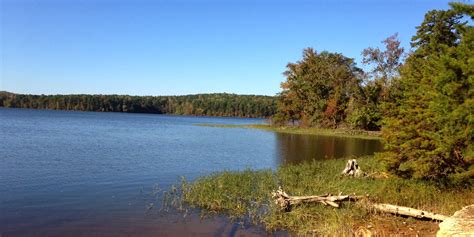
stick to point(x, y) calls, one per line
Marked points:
point(327, 89)
point(201, 104)
point(428, 130)
point(240, 194)
point(380, 85)
point(318, 89)
point(367, 117)
point(349, 133)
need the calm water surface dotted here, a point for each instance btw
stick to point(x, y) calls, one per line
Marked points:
point(90, 174)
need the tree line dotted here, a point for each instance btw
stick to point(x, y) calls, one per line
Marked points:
point(219, 104)
point(422, 101)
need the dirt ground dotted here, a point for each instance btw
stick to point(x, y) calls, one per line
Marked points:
point(397, 226)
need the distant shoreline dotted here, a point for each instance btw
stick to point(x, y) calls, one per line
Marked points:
point(172, 115)
point(213, 105)
point(349, 133)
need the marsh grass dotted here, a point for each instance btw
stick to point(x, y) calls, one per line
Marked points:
point(307, 131)
point(242, 195)
point(245, 196)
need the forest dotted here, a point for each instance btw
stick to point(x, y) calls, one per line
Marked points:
point(221, 104)
point(421, 99)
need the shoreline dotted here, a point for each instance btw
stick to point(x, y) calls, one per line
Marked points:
point(345, 133)
point(247, 194)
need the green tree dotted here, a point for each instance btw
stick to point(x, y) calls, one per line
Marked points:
point(380, 81)
point(428, 131)
point(385, 64)
point(318, 89)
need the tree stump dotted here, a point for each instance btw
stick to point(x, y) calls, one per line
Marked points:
point(352, 169)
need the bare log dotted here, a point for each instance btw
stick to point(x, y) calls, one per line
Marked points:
point(407, 211)
point(285, 201)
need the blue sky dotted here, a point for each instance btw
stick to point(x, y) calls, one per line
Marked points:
point(145, 47)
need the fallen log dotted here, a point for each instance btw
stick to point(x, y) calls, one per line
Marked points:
point(407, 211)
point(285, 201)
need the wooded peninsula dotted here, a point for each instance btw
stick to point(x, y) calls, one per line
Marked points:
point(422, 101)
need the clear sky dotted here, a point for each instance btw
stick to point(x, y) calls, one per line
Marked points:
point(145, 47)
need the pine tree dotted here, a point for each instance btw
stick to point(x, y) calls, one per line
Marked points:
point(428, 132)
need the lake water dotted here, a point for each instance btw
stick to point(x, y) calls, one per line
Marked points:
point(90, 174)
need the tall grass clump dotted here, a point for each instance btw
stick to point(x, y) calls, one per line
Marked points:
point(243, 195)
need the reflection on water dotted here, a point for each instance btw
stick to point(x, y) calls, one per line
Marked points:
point(81, 174)
point(297, 148)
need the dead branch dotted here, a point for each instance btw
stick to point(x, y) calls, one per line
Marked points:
point(285, 201)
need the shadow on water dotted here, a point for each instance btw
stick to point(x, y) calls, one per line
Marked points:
point(297, 148)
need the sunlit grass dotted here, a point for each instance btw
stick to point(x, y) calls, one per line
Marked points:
point(307, 131)
point(245, 195)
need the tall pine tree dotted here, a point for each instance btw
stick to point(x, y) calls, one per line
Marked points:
point(428, 131)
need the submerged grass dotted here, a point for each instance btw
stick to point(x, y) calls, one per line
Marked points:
point(245, 195)
point(307, 131)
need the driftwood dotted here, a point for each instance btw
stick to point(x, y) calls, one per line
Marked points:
point(286, 201)
point(407, 211)
point(352, 169)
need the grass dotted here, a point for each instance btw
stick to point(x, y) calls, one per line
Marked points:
point(308, 131)
point(245, 196)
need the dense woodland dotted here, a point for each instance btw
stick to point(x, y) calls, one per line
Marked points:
point(421, 100)
point(222, 104)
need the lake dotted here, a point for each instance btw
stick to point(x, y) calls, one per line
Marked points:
point(68, 173)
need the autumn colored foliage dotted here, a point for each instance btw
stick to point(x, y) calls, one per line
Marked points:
point(424, 104)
